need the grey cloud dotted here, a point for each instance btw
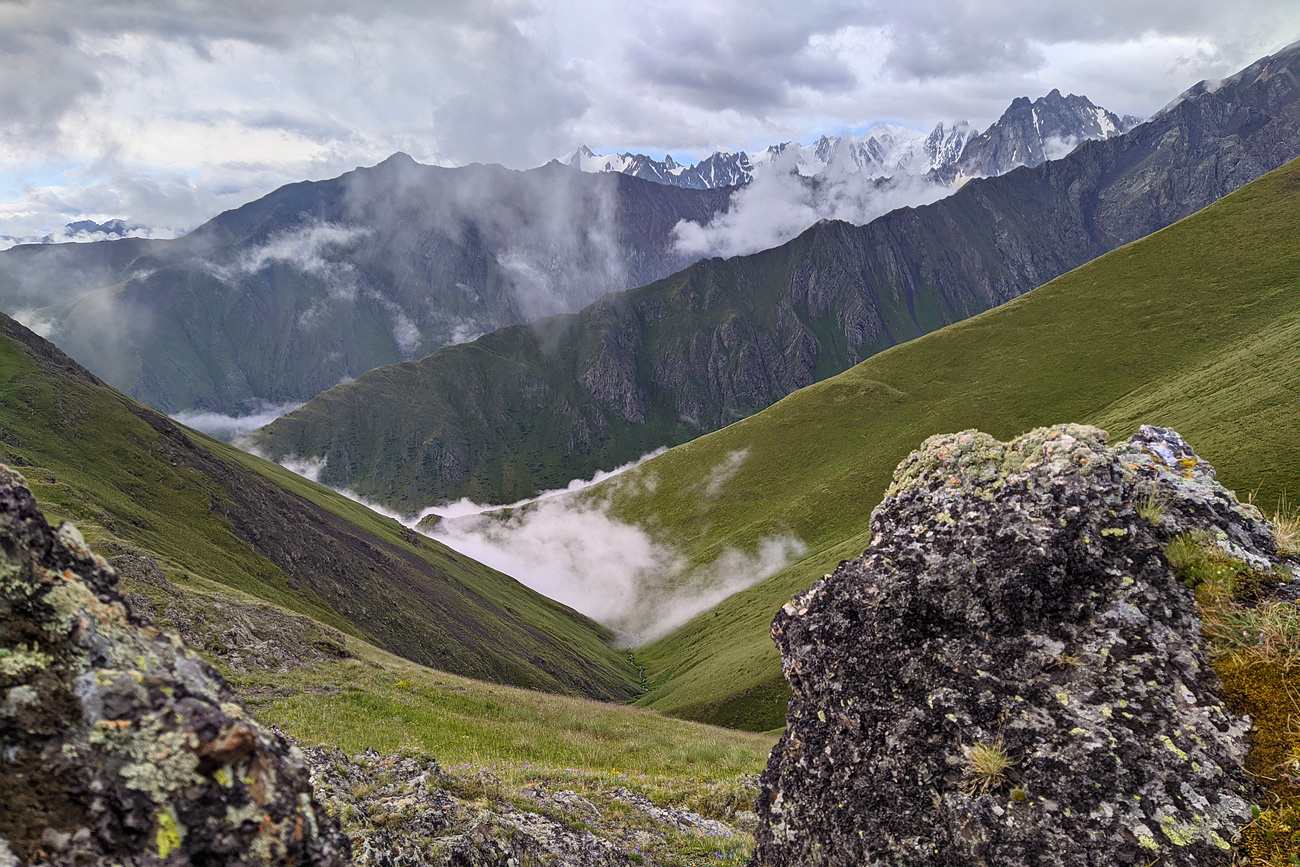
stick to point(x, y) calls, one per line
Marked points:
point(307, 89)
point(750, 57)
point(946, 38)
point(460, 74)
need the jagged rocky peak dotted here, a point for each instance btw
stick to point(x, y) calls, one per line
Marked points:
point(119, 746)
point(1011, 673)
point(1030, 133)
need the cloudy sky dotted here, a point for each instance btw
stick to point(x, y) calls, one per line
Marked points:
point(168, 111)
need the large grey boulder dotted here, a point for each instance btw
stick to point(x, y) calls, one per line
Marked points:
point(118, 745)
point(1014, 609)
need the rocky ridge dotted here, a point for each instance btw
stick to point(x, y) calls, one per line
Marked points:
point(1027, 133)
point(119, 745)
point(1012, 673)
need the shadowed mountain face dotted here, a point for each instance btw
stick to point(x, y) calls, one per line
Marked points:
point(319, 282)
point(211, 519)
point(529, 408)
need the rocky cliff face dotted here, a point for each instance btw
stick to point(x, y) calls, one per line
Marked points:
point(1030, 133)
point(117, 745)
point(725, 338)
point(1011, 674)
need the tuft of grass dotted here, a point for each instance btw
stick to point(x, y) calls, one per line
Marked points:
point(1150, 509)
point(1065, 660)
point(1286, 527)
point(985, 768)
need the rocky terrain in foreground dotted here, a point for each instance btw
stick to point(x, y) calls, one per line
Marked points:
point(118, 745)
point(1012, 673)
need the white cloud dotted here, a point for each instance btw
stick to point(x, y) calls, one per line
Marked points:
point(614, 572)
point(37, 320)
point(304, 248)
point(724, 472)
point(778, 204)
point(232, 427)
point(165, 114)
point(575, 551)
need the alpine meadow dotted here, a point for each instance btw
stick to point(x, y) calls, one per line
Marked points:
point(506, 435)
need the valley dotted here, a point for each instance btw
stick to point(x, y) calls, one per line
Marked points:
point(902, 494)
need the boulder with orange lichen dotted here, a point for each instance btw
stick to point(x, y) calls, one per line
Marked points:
point(117, 744)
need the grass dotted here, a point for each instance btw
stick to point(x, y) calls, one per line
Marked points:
point(985, 768)
point(1254, 645)
point(209, 514)
point(1196, 327)
point(1286, 527)
point(523, 738)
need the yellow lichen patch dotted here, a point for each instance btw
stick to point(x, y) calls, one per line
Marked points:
point(169, 834)
point(21, 660)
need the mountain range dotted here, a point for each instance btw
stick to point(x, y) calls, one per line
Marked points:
point(530, 407)
point(318, 282)
point(1027, 133)
point(267, 305)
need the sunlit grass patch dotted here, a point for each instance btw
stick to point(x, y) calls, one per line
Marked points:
point(497, 740)
point(1254, 644)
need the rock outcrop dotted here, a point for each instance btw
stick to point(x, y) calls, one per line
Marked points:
point(402, 811)
point(1011, 673)
point(118, 745)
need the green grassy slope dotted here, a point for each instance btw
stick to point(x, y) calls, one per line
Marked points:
point(1196, 327)
point(139, 485)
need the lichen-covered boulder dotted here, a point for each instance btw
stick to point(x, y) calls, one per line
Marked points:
point(1010, 675)
point(119, 746)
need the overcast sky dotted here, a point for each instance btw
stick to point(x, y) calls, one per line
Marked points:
point(167, 112)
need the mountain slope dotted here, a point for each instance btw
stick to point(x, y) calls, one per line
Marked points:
point(150, 493)
point(529, 408)
point(318, 282)
point(1196, 327)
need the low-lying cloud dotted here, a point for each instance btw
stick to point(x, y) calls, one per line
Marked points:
point(231, 427)
point(779, 204)
point(576, 552)
point(610, 570)
point(304, 248)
